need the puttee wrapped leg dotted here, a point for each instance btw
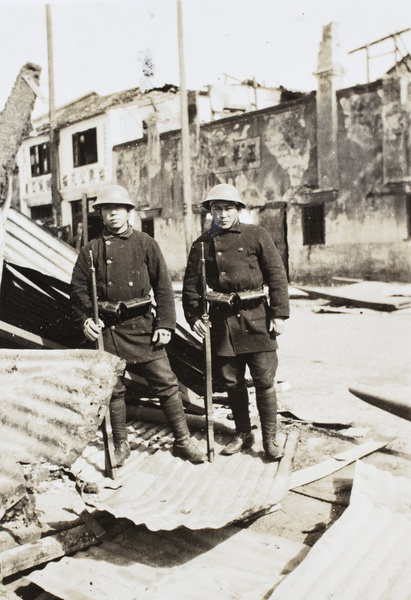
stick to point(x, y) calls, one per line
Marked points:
point(267, 409)
point(238, 400)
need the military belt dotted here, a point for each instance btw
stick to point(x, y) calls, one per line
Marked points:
point(246, 298)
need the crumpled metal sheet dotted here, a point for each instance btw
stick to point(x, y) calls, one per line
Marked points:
point(53, 401)
point(163, 492)
point(29, 245)
point(138, 564)
point(366, 554)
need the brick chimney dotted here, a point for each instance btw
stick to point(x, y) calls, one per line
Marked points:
point(329, 74)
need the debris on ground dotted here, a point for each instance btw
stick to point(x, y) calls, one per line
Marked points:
point(366, 553)
point(377, 295)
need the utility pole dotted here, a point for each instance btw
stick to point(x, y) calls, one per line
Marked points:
point(54, 162)
point(185, 135)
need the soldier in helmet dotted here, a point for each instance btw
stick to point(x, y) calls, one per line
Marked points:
point(240, 259)
point(129, 267)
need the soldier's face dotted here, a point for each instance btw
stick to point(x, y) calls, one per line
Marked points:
point(225, 214)
point(115, 217)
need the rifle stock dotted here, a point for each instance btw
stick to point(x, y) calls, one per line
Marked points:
point(208, 394)
point(109, 456)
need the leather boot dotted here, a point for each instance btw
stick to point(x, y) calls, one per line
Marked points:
point(267, 409)
point(183, 447)
point(242, 441)
point(238, 400)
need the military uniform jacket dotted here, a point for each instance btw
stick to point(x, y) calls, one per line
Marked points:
point(128, 267)
point(241, 258)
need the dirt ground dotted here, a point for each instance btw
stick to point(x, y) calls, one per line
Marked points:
point(322, 354)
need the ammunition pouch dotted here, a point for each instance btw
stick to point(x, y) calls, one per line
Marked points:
point(245, 299)
point(116, 312)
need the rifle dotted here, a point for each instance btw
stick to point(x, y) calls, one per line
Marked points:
point(208, 396)
point(109, 456)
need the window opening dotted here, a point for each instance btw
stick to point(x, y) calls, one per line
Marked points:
point(85, 147)
point(40, 159)
point(41, 213)
point(313, 225)
point(147, 226)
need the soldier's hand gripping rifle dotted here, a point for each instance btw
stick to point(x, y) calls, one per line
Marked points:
point(208, 378)
point(109, 456)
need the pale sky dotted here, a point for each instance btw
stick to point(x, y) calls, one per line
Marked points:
point(109, 46)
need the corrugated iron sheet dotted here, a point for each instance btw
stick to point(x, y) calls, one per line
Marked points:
point(368, 294)
point(29, 245)
point(163, 492)
point(366, 554)
point(223, 564)
point(44, 312)
point(52, 402)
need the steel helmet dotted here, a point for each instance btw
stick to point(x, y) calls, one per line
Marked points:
point(223, 191)
point(113, 194)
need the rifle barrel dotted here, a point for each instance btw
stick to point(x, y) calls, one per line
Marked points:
point(208, 393)
point(109, 456)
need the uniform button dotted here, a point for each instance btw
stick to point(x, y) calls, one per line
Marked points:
point(110, 283)
point(238, 315)
point(108, 243)
point(219, 253)
point(132, 327)
point(223, 273)
point(109, 261)
point(240, 249)
point(130, 283)
point(112, 327)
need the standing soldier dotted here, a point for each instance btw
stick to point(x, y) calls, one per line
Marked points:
point(240, 259)
point(129, 267)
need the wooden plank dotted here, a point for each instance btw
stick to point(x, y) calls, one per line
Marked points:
point(333, 464)
point(26, 339)
point(51, 547)
point(46, 549)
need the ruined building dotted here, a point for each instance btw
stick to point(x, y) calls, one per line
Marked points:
point(328, 173)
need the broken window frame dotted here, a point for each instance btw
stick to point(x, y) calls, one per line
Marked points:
point(85, 147)
point(313, 224)
point(40, 159)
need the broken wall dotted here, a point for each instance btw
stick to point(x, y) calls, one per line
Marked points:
point(271, 157)
point(366, 220)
